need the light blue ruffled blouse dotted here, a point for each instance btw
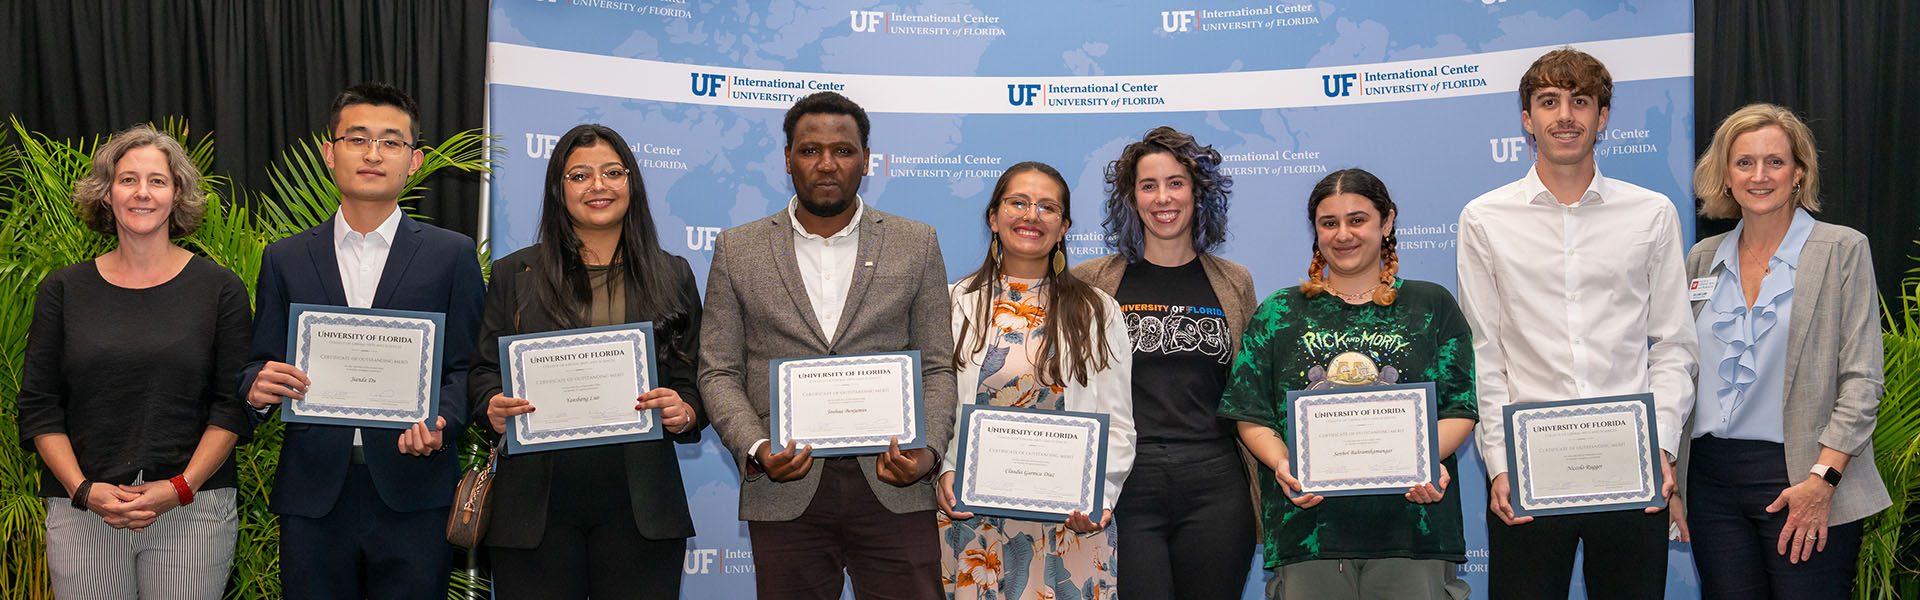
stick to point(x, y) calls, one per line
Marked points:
point(1743, 352)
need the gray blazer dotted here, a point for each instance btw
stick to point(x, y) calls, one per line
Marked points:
point(1834, 362)
point(757, 310)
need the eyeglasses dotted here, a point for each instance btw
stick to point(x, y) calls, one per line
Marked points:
point(1047, 211)
point(614, 175)
point(362, 143)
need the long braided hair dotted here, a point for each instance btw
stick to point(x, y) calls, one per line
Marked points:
point(1365, 185)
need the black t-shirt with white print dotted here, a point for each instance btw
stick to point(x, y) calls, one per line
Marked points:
point(1182, 349)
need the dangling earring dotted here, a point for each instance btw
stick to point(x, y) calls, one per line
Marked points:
point(1796, 189)
point(1059, 258)
point(993, 250)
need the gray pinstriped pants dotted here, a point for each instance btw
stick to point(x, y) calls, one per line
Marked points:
point(183, 555)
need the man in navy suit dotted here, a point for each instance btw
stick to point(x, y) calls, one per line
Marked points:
point(363, 511)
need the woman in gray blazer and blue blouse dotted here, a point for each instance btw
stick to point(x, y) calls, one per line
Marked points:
point(1780, 472)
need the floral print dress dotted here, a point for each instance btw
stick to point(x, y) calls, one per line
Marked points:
point(997, 558)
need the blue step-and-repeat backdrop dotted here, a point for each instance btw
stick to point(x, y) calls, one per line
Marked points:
point(1422, 93)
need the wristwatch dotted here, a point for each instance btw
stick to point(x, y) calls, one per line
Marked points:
point(1828, 473)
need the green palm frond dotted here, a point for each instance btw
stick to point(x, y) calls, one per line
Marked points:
point(1889, 563)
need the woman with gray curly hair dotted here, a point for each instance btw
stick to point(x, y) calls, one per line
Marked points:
point(128, 388)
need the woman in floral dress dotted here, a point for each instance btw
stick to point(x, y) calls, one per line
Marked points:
point(1030, 335)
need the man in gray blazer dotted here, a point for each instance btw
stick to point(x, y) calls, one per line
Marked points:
point(829, 276)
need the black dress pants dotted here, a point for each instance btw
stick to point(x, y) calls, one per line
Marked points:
point(1729, 485)
point(1185, 521)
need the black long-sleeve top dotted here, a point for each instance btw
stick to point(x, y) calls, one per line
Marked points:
point(135, 376)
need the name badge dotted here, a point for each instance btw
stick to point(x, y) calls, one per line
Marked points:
point(1702, 288)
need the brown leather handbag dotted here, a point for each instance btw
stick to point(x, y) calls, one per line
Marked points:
point(467, 521)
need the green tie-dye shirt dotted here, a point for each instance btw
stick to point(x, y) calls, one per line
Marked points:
point(1299, 343)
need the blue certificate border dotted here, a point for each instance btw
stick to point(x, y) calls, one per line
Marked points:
point(1429, 444)
point(427, 384)
point(1093, 487)
point(1638, 407)
point(521, 440)
point(780, 412)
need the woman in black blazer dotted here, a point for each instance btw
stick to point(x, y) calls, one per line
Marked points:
point(602, 521)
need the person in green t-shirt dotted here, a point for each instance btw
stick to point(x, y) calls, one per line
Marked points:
point(1354, 323)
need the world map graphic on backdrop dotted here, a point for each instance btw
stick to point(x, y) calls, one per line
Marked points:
point(1420, 93)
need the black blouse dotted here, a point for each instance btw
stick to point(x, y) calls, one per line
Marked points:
point(135, 376)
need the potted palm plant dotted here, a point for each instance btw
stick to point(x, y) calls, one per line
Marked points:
point(1889, 565)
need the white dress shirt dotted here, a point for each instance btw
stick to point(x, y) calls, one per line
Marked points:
point(362, 257)
point(826, 269)
point(1575, 301)
point(826, 264)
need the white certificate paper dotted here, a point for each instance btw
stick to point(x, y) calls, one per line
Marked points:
point(583, 384)
point(1030, 464)
point(1583, 455)
point(368, 367)
point(1363, 440)
point(845, 405)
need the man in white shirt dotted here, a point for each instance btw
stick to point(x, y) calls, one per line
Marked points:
point(363, 511)
point(829, 276)
point(1575, 288)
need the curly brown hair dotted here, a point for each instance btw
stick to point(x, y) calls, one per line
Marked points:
point(1571, 70)
point(90, 194)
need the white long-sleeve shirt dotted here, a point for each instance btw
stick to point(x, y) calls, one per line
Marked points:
point(1572, 301)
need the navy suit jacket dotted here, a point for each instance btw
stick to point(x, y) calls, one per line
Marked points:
point(428, 269)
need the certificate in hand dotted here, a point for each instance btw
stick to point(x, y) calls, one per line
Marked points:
point(1038, 465)
point(1358, 441)
point(846, 405)
point(369, 367)
point(1589, 455)
point(583, 384)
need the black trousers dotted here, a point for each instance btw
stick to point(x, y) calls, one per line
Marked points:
point(1185, 522)
point(591, 548)
point(362, 549)
point(846, 529)
point(1626, 556)
point(1729, 485)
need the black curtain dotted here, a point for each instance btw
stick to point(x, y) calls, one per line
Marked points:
point(256, 74)
point(1851, 69)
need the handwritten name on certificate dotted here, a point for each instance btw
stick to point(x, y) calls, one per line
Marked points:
point(1364, 440)
point(844, 405)
point(1030, 464)
point(1583, 455)
point(583, 384)
point(369, 367)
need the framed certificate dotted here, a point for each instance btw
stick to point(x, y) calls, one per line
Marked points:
point(1038, 465)
point(1357, 441)
point(1589, 455)
point(846, 405)
point(583, 384)
point(369, 367)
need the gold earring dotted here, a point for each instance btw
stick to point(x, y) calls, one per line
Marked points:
point(1059, 260)
point(993, 249)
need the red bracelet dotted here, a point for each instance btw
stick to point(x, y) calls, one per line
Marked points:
point(180, 488)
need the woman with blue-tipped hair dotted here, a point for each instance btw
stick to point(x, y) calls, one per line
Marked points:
point(1188, 514)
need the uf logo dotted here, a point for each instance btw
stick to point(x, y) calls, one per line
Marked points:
point(699, 560)
point(540, 145)
point(1021, 94)
point(1175, 20)
point(868, 20)
point(1337, 85)
point(707, 84)
point(1506, 150)
point(701, 238)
